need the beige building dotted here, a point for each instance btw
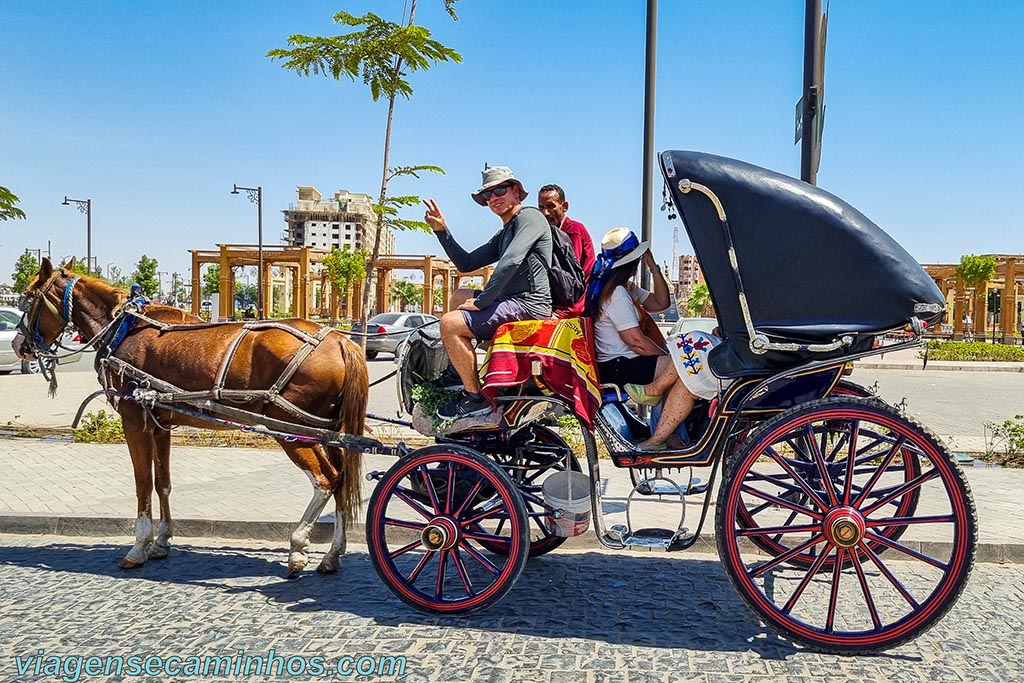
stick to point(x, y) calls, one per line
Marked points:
point(346, 218)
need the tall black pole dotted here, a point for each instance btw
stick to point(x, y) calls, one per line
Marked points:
point(811, 91)
point(259, 275)
point(648, 156)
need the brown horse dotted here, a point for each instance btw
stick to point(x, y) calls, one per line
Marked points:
point(327, 388)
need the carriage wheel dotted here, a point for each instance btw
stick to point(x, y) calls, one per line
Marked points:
point(428, 521)
point(782, 485)
point(852, 477)
point(545, 454)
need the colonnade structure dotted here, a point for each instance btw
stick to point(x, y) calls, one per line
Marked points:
point(304, 289)
point(967, 309)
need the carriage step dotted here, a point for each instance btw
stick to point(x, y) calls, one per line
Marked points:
point(648, 538)
point(696, 487)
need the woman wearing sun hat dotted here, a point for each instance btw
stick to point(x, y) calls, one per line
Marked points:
point(630, 350)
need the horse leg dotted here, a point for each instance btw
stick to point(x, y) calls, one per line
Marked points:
point(313, 461)
point(332, 560)
point(141, 448)
point(161, 545)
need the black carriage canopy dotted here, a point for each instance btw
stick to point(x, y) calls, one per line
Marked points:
point(813, 268)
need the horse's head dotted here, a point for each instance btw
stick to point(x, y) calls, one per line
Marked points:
point(46, 310)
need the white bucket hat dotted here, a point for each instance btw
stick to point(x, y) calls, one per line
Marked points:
point(621, 246)
point(494, 176)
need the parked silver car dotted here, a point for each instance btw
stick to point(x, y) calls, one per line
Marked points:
point(691, 324)
point(9, 360)
point(387, 330)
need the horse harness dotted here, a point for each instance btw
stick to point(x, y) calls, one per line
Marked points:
point(131, 312)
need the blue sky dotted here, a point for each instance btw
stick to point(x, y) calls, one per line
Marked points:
point(153, 110)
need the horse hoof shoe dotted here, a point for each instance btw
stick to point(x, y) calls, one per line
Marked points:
point(326, 567)
point(128, 563)
point(296, 563)
point(158, 552)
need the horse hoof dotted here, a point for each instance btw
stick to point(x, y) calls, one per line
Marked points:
point(129, 563)
point(296, 563)
point(158, 552)
point(328, 565)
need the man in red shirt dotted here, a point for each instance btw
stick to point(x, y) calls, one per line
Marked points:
point(551, 202)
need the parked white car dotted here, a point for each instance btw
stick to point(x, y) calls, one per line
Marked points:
point(9, 360)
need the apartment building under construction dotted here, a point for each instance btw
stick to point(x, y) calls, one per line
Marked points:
point(346, 218)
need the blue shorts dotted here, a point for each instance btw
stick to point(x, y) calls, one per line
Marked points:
point(483, 324)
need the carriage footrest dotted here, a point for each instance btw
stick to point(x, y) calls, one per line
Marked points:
point(649, 538)
point(696, 487)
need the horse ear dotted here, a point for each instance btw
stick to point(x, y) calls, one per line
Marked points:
point(46, 268)
point(70, 265)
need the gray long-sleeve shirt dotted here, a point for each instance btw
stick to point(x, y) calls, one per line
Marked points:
point(522, 249)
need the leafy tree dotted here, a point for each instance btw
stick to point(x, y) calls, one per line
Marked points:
point(76, 265)
point(8, 210)
point(245, 294)
point(381, 55)
point(343, 267)
point(406, 293)
point(438, 299)
point(698, 300)
point(975, 271)
point(25, 269)
point(145, 276)
point(117, 278)
point(211, 280)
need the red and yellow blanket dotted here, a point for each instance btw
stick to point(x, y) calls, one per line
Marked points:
point(563, 355)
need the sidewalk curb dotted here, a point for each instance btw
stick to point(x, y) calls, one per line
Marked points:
point(934, 365)
point(122, 529)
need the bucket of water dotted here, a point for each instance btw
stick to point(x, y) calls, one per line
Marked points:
point(568, 492)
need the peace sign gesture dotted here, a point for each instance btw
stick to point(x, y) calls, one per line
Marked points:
point(434, 217)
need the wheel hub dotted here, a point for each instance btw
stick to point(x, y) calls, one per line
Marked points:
point(844, 526)
point(440, 534)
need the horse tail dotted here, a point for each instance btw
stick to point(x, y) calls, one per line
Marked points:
point(355, 392)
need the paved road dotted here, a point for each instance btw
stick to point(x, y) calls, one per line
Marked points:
point(573, 616)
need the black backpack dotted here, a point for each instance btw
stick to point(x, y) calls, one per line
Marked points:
point(568, 281)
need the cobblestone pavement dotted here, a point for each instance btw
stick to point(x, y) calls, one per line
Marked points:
point(573, 616)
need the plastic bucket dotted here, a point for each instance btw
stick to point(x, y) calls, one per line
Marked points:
point(568, 492)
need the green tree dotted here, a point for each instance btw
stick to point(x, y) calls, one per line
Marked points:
point(974, 271)
point(8, 209)
point(381, 55)
point(406, 293)
point(438, 300)
point(117, 278)
point(211, 280)
point(25, 269)
point(343, 267)
point(145, 276)
point(698, 300)
point(76, 265)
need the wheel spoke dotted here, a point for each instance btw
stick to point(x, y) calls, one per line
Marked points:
point(442, 569)
point(776, 561)
point(896, 583)
point(866, 590)
point(469, 498)
point(404, 523)
point(449, 493)
point(492, 512)
point(851, 463)
point(781, 502)
point(404, 549)
point(880, 470)
point(889, 543)
point(428, 484)
point(808, 575)
point(475, 554)
point(406, 496)
point(906, 488)
point(460, 567)
point(797, 478)
point(780, 531)
point(420, 566)
point(833, 595)
point(819, 461)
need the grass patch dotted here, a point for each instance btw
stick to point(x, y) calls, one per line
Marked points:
point(973, 351)
point(101, 427)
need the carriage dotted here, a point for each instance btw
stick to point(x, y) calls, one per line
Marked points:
point(843, 524)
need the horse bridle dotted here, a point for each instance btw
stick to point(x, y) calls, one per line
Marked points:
point(29, 305)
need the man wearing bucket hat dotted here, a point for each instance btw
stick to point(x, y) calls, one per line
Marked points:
point(518, 289)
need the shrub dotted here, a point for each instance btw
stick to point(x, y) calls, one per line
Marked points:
point(101, 427)
point(1009, 437)
point(973, 351)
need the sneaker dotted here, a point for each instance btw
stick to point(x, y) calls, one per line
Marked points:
point(637, 393)
point(449, 379)
point(652, 447)
point(462, 406)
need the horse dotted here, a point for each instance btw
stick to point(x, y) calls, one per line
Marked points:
point(284, 370)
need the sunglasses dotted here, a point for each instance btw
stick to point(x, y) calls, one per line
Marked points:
point(498, 191)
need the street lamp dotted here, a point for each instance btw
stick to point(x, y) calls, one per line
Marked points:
point(255, 195)
point(85, 206)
